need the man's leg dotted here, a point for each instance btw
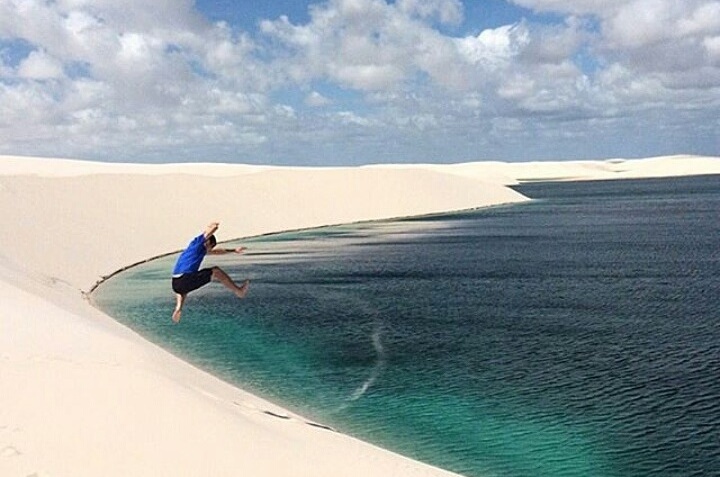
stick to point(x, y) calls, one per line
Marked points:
point(179, 301)
point(219, 275)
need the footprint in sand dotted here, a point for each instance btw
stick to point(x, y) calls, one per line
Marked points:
point(10, 451)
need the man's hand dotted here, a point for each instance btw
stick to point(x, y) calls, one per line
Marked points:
point(211, 228)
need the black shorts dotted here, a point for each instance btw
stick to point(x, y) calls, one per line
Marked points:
point(188, 282)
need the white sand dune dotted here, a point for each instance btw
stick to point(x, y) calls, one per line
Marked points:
point(82, 395)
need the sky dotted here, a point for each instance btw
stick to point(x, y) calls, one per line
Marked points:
point(347, 82)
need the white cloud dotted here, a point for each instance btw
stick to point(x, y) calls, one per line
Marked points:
point(24, 104)
point(494, 48)
point(517, 87)
point(556, 43)
point(420, 122)
point(705, 19)
point(636, 23)
point(641, 23)
point(369, 45)
point(316, 100)
point(350, 118)
point(40, 66)
point(712, 49)
point(138, 73)
point(369, 76)
point(446, 11)
point(666, 38)
point(575, 7)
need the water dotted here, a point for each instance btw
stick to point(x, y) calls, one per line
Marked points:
point(577, 335)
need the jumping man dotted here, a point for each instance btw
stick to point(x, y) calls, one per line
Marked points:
point(187, 275)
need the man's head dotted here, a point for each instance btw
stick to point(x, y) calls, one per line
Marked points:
point(210, 243)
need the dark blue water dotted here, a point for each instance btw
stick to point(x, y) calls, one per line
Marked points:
point(577, 335)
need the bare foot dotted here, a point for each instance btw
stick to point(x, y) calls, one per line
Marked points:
point(176, 316)
point(243, 289)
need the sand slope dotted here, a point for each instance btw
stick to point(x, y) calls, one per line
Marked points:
point(82, 395)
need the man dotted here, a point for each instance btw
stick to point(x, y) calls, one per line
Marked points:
point(187, 275)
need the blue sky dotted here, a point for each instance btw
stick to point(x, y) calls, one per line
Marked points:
point(478, 15)
point(342, 82)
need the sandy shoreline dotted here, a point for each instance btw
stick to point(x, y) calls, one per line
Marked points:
point(83, 395)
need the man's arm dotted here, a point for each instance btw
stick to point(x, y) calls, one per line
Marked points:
point(211, 229)
point(221, 251)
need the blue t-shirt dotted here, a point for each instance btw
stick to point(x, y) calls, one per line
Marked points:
point(190, 259)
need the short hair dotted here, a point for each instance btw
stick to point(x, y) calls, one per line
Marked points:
point(212, 240)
